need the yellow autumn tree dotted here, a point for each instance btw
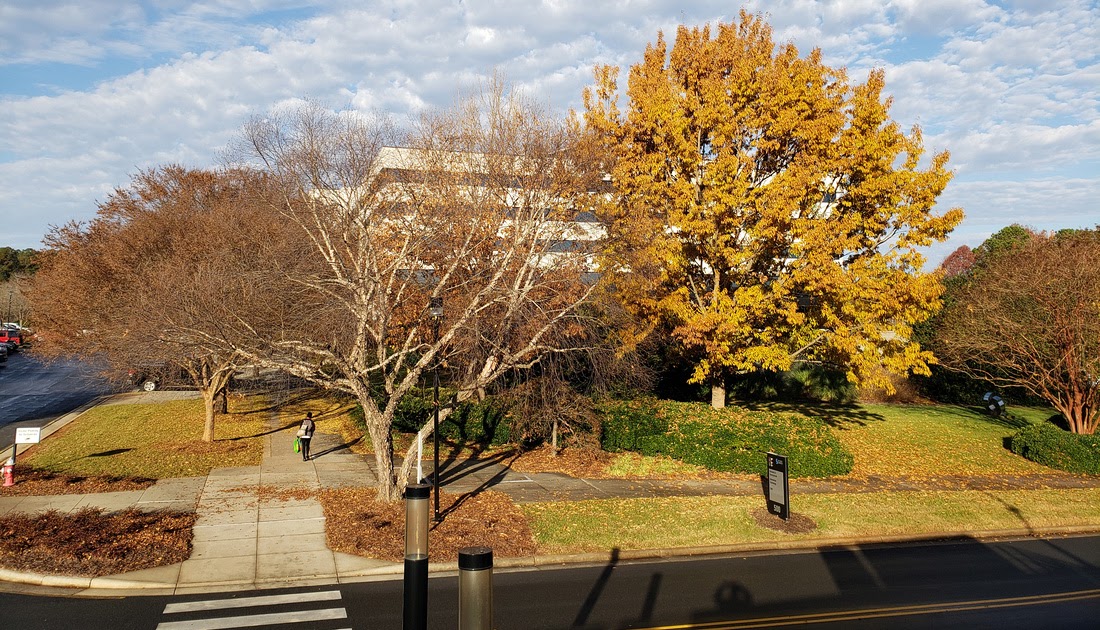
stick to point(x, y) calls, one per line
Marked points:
point(766, 209)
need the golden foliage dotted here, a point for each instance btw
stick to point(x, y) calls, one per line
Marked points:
point(767, 209)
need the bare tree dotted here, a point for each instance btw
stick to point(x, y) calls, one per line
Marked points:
point(145, 282)
point(474, 211)
point(1030, 317)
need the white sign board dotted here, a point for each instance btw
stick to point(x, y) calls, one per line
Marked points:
point(28, 435)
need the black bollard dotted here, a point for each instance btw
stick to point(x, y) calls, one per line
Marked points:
point(475, 588)
point(416, 557)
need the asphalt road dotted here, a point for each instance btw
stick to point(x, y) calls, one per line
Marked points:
point(1032, 583)
point(34, 393)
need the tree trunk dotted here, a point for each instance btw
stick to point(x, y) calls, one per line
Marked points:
point(390, 487)
point(208, 396)
point(554, 437)
point(1080, 419)
point(718, 395)
point(223, 401)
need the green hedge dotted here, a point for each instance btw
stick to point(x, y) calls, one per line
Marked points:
point(729, 440)
point(477, 423)
point(470, 422)
point(1048, 445)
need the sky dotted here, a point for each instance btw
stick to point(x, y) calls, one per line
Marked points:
point(93, 91)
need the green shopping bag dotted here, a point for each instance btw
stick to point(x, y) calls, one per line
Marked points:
point(297, 445)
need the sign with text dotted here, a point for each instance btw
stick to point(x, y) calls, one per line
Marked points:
point(779, 491)
point(28, 435)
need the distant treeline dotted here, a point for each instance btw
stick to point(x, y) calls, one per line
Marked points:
point(14, 262)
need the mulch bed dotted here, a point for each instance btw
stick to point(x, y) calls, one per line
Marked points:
point(797, 524)
point(90, 543)
point(579, 462)
point(357, 523)
point(34, 482)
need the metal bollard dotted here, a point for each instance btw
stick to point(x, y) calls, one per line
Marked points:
point(416, 557)
point(475, 588)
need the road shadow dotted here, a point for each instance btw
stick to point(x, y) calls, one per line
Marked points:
point(596, 591)
point(731, 600)
point(840, 583)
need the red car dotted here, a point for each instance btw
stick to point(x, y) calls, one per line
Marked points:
point(9, 336)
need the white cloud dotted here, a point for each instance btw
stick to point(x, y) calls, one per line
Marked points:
point(940, 17)
point(1008, 87)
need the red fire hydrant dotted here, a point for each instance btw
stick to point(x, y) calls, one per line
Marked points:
point(9, 472)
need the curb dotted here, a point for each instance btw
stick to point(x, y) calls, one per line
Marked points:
point(803, 544)
point(109, 584)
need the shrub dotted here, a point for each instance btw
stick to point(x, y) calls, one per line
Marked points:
point(729, 440)
point(803, 382)
point(471, 422)
point(627, 423)
point(477, 423)
point(1048, 445)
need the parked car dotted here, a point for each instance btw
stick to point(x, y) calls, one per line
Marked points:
point(144, 379)
point(12, 338)
point(3, 352)
point(158, 376)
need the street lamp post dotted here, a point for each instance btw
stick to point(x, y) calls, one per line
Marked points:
point(435, 309)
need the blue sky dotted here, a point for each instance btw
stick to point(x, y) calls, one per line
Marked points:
point(91, 91)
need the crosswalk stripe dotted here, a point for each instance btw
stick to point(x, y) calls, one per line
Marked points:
point(244, 602)
point(252, 621)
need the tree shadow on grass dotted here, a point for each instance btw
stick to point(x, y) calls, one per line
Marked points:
point(293, 422)
point(117, 451)
point(282, 427)
point(836, 415)
point(1006, 419)
point(289, 402)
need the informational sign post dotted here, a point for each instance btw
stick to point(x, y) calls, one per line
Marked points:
point(28, 435)
point(779, 491)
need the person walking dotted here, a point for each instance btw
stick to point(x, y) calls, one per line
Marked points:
point(305, 434)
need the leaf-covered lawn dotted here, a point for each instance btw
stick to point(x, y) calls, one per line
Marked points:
point(932, 440)
point(583, 526)
point(153, 441)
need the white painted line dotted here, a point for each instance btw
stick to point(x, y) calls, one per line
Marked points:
point(253, 621)
point(244, 602)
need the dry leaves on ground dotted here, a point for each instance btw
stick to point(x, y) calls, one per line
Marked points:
point(33, 482)
point(90, 543)
point(359, 524)
point(582, 463)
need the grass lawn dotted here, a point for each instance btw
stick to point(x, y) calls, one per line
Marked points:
point(929, 440)
point(886, 440)
point(916, 441)
point(155, 441)
point(585, 526)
